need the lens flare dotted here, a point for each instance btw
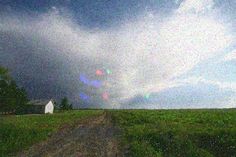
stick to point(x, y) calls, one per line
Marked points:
point(147, 96)
point(108, 71)
point(99, 72)
point(105, 96)
point(83, 96)
point(94, 83)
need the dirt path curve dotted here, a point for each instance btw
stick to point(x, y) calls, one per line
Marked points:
point(92, 137)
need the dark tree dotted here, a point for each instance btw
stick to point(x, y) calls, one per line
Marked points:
point(65, 105)
point(12, 98)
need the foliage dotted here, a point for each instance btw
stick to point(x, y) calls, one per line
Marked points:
point(12, 98)
point(22, 131)
point(178, 133)
point(65, 105)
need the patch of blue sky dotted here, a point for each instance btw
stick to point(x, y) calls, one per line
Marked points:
point(215, 68)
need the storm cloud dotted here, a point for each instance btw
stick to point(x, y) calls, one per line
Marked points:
point(48, 52)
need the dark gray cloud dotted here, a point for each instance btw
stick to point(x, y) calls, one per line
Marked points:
point(39, 55)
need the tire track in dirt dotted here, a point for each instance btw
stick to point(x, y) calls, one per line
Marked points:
point(92, 137)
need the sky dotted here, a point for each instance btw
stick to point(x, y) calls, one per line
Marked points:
point(152, 54)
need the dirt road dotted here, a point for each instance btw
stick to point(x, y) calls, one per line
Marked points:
point(92, 137)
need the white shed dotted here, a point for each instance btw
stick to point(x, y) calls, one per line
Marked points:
point(41, 106)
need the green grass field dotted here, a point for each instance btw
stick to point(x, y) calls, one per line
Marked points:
point(20, 132)
point(143, 133)
point(178, 133)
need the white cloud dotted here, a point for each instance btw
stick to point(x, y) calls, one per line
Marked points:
point(230, 56)
point(158, 50)
point(196, 6)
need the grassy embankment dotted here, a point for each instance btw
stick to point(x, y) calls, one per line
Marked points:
point(20, 132)
point(178, 133)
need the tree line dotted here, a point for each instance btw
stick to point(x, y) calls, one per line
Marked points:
point(13, 99)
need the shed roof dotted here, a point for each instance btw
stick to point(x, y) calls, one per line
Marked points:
point(39, 102)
